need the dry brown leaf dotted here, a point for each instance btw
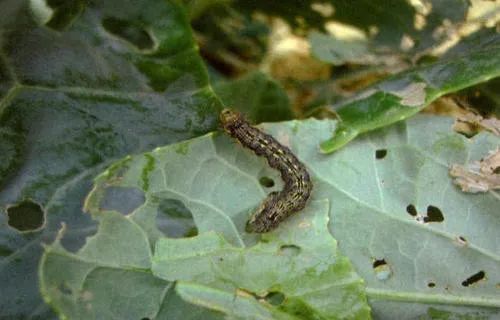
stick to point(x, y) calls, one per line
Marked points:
point(479, 176)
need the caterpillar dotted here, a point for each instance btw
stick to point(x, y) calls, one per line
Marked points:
point(297, 183)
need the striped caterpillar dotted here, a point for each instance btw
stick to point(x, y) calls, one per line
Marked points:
point(278, 205)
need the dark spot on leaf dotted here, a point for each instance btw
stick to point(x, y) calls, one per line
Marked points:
point(26, 216)
point(145, 318)
point(266, 182)
point(431, 284)
point(275, 298)
point(174, 219)
point(122, 199)
point(474, 278)
point(129, 31)
point(289, 250)
point(4, 252)
point(380, 153)
point(434, 215)
point(411, 210)
point(426, 59)
point(496, 170)
point(63, 287)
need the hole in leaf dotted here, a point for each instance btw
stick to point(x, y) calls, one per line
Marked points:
point(382, 269)
point(380, 262)
point(130, 32)
point(122, 199)
point(145, 318)
point(76, 237)
point(289, 250)
point(26, 216)
point(266, 182)
point(380, 153)
point(431, 284)
point(411, 210)
point(434, 215)
point(474, 278)
point(461, 241)
point(174, 219)
point(496, 170)
point(275, 298)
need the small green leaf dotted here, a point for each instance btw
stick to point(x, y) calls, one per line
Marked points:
point(336, 51)
point(409, 92)
point(259, 97)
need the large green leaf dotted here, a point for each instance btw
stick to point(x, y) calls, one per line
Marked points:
point(300, 261)
point(424, 248)
point(406, 93)
point(92, 85)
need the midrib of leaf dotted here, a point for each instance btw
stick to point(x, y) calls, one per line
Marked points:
point(385, 294)
point(9, 96)
point(107, 93)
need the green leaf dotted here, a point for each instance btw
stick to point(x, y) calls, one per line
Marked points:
point(302, 255)
point(259, 97)
point(109, 277)
point(238, 306)
point(407, 93)
point(300, 261)
point(89, 86)
point(416, 239)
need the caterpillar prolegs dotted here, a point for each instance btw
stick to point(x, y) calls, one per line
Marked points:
point(297, 183)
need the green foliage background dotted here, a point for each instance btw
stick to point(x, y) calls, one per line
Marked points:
point(107, 121)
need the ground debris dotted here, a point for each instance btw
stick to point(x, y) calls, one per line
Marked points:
point(471, 123)
point(479, 176)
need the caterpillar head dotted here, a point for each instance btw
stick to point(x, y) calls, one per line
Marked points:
point(230, 119)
